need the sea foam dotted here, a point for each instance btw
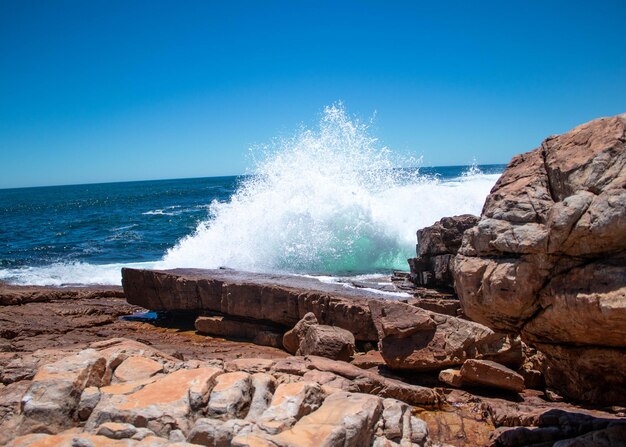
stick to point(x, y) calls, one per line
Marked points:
point(326, 201)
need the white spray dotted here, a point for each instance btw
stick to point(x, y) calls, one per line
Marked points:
point(326, 202)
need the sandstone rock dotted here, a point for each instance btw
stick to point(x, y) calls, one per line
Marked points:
point(54, 393)
point(252, 440)
point(446, 306)
point(604, 365)
point(264, 386)
point(280, 299)
point(216, 433)
point(290, 402)
point(249, 365)
point(269, 338)
point(331, 382)
point(370, 359)
point(136, 368)
point(436, 246)
point(343, 419)
point(416, 339)
point(491, 374)
point(327, 341)
point(548, 255)
point(372, 382)
point(224, 326)
point(161, 406)
point(451, 377)
point(293, 337)
point(88, 401)
point(231, 396)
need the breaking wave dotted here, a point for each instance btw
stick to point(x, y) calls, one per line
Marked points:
point(327, 201)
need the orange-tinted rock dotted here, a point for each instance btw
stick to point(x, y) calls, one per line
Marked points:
point(162, 406)
point(55, 391)
point(343, 419)
point(137, 368)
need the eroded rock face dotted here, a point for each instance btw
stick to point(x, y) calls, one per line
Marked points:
point(436, 246)
point(548, 256)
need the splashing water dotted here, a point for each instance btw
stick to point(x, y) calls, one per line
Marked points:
point(326, 202)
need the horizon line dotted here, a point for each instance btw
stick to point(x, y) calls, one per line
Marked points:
point(209, 176)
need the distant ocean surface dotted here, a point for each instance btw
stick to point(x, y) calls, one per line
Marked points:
point(84, 234)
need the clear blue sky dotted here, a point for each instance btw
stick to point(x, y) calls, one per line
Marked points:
point(94, 91)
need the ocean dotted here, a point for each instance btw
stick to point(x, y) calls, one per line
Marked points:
point(329, 202)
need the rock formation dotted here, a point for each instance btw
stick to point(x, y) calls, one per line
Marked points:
point(436, 247)
point(548, 258)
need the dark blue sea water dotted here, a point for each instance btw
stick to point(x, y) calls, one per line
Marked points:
point(84, 233)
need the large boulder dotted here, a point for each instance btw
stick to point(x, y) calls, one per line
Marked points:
point(548, 257)
point(436, 246)
point(419, 340)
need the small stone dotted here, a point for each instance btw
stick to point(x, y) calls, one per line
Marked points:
point(117, 430)
point(292, 338)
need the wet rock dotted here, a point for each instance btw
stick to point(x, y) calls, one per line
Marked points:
point(327, 341)
point(416, 339)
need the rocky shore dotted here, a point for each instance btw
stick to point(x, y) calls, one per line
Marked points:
point(510, 330)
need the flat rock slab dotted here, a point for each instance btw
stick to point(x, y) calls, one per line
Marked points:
point(281, 299)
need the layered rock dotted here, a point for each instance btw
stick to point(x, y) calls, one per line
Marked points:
point(548, 258)
point(279, 299)
point(436, 247)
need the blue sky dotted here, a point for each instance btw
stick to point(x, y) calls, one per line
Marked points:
point(126, 90)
